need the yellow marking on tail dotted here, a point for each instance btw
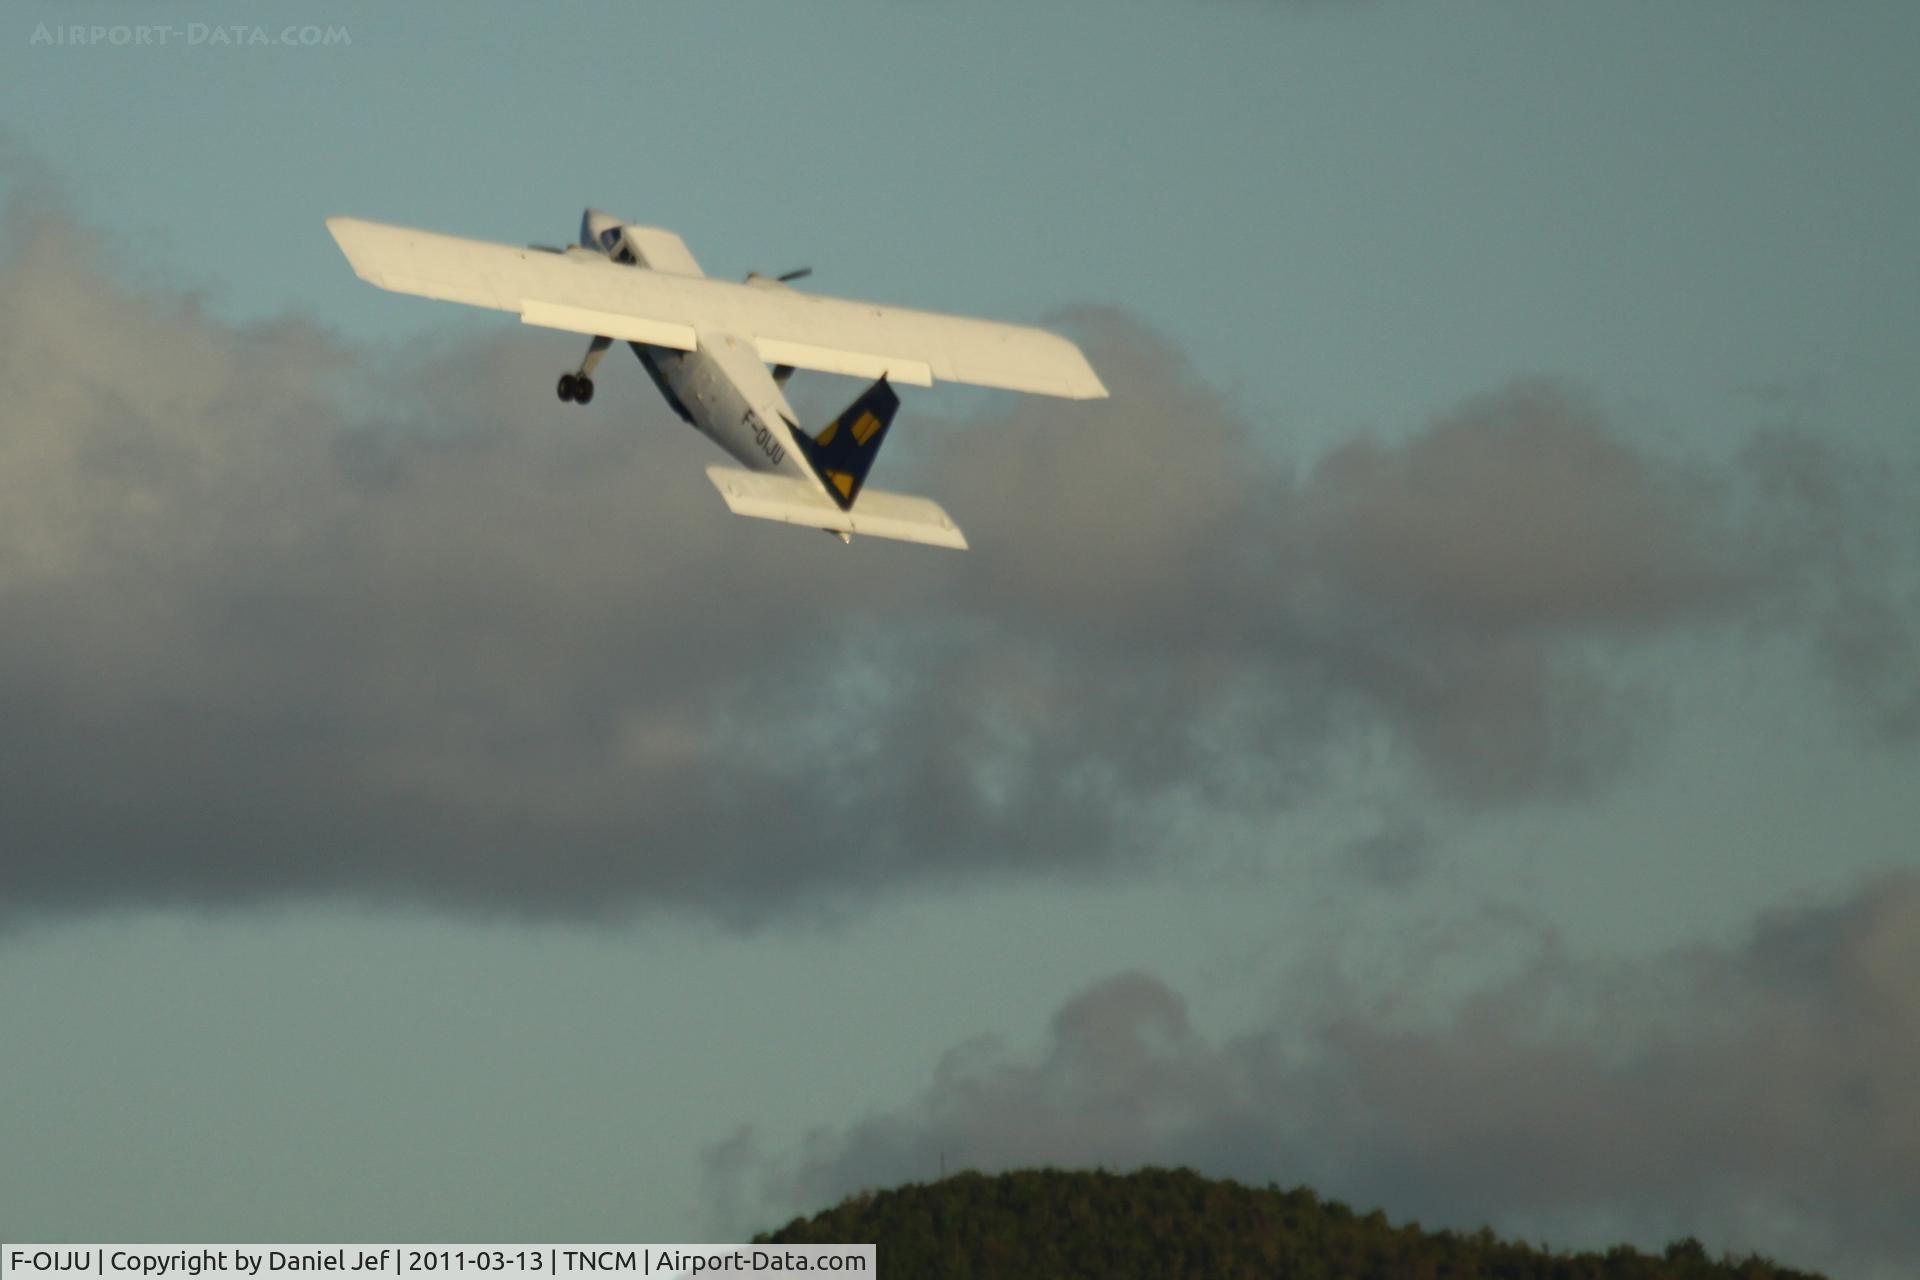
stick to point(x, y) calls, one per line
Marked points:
point(863, 429)
point(828, 432)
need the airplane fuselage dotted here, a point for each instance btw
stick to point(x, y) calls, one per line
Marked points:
point(727, 394)
point(722, 388)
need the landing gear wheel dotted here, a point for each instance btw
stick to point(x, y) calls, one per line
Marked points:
point(569, 386)
point(583, 390)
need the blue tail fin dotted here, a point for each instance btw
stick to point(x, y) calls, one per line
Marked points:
point(843, 452)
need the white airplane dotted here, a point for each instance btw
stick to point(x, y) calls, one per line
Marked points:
point(707, 344)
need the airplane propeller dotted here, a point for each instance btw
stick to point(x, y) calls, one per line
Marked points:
point(781, 372)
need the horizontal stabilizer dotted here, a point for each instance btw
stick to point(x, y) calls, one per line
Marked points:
point(878, 514)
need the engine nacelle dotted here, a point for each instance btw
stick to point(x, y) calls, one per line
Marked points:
point(634, 245)
point(602, 231)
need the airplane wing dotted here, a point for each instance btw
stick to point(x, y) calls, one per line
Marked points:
point(582, 292)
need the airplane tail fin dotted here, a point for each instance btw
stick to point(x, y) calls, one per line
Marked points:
point(843, 451)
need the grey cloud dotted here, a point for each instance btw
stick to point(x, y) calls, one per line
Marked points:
point(1432, 585)
point(1758, 1096)
point(284, 616)
point(1847, 531)
point(1395, 855)
point(1521, 511)
point(1872, 647)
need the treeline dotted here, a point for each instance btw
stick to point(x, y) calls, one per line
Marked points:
point(1173, 1224)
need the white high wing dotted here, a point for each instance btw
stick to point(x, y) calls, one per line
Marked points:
point(707, 344)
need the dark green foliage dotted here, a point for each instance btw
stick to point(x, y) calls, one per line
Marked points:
point(1175, 1225)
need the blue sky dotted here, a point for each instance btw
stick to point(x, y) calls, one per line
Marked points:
point(1482, 631)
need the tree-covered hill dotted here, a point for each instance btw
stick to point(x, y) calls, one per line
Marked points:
point(1161, 1224)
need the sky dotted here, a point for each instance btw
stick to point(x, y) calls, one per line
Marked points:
point(1446, 731)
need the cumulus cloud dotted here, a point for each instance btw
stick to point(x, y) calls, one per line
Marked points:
point(287, 616)
point(1440, 587)
point(1758, 1096)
